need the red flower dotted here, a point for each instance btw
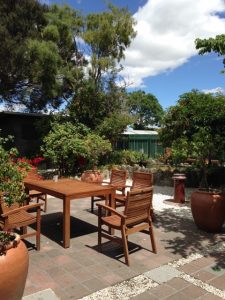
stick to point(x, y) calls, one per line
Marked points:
point(37, 160)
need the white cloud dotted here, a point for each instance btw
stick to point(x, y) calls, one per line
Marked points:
point(166, 31)
point(217, 90)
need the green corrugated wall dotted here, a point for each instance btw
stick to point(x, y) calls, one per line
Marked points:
point(148, 144)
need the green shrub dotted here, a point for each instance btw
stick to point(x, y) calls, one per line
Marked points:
point(12, 173)
point(67, 143)
point(127, 157)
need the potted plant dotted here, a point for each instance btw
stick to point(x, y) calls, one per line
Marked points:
point(195, 128)
point(13, 252)
point(95, 147)
point(207, 203)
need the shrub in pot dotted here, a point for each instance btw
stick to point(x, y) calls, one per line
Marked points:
point(195, 128)
point(207, 203)
point(13, 252)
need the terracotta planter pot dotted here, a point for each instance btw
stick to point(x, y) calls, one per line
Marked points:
point(208, 210)
point(92, 176)
point(13, 270)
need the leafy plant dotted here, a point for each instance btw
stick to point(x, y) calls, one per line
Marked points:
point(195, 128)
point(11, 174)
point(67, 142)
point(5, 239)
point(127, 157)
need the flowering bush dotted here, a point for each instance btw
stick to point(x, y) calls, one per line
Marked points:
point(12, 173)
point(31, 166)
point(32, 162)
point(36, 161)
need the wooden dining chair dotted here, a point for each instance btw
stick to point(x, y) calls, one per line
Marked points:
point(136, 217)
point(33, 194)
point(16, 216)
point(140, 180)
point(118, 180)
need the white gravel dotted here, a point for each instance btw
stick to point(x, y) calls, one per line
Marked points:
point(162, 193)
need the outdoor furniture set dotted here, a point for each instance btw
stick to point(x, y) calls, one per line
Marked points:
point(137, 214)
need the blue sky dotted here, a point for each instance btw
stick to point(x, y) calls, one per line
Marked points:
point(162, 60)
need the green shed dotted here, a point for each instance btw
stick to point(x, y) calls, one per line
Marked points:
point(145, 141)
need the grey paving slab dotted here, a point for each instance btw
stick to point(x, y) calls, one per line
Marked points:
point(47, 294)
point(162, 274)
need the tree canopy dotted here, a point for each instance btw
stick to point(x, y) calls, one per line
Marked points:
point(106, 36)
point(216, 45)
point(196, 126)
point(19, 21)
point(146, 110)
point(45, 66)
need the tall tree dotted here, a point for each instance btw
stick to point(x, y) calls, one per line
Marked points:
point(43, 64)
point(216, 45)
point(106, 36)
point(146, 109)
point(19, 20)
point(46, 67)
point(55, 62)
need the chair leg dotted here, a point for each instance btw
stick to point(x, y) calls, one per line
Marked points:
point(24, 230)
point(92, 204)
point(152, 237)
point(38, 229)
point(99, 229)
point(152, 214)
point(45, 203)
point(125, 246)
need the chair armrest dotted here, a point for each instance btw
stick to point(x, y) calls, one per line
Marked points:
point(25, 207)
point(106, 207)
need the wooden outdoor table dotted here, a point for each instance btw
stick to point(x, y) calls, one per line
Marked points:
point(67, 190)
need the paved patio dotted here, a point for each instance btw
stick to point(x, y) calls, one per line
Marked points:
point(190, 263)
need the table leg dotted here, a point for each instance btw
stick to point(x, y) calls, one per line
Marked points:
point(66, 223)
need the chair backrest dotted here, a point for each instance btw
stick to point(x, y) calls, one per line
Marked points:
point(142, 180)
point(118, 178)
point(4, 208)
point(138, 205)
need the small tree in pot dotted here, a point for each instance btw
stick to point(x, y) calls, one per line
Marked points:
point(195, 128)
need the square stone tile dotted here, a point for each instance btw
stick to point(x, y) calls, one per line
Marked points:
point(193, 292)
point(162, 274)
point(47, 294)
point(162, 291)
point(177, 296)
point(218, 282)
point(178, 283)
point(203, 275)
point(145, 296)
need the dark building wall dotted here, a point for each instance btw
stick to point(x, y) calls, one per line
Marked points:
point(22, 127)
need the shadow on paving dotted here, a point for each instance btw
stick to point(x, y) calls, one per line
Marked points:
point(185, 238)
point(115, 251)
point(52, 227)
